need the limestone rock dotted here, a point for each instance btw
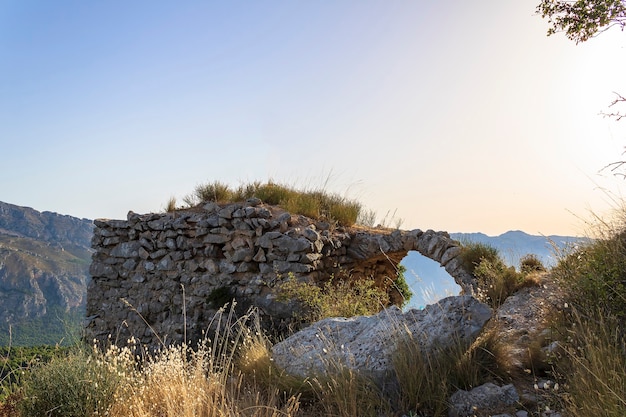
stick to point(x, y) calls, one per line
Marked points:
point(481, 400)
point(524, 317)
point(367, 343)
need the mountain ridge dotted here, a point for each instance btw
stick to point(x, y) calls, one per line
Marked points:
point(44, 272)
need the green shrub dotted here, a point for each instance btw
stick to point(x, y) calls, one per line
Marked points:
point(595, 276)
point(246, 191)
point(336, 298)
point(305, 204)
point(344, 212)
point(402, 286)
point(18, 359)
point(496, 281)
point(472, 253)
point(76, 385)
point(531, 263)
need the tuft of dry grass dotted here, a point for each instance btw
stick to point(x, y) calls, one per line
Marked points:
point(218, 378)
point(314, 203)
point(343, 392)
point(594, 367)
point(592, 355)
point(427, 379)
point(170, 206)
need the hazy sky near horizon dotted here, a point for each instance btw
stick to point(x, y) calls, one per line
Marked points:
point(457, 116)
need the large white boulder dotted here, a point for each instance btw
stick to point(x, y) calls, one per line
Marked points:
point(367, 343)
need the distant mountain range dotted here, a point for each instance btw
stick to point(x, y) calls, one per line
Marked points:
point(45, 257)
point(44, 271)
point(513, 245)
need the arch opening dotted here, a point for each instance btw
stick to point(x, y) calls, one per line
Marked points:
point(428, 280)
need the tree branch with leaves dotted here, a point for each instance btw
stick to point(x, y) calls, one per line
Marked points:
point(582, 19)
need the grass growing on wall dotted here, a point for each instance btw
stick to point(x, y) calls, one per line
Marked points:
point(313, 203)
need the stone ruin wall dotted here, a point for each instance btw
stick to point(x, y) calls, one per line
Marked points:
point(143, 266)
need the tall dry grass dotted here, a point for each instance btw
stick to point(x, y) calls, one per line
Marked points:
point(594, 368)
point(206, 381)
point(592, 363)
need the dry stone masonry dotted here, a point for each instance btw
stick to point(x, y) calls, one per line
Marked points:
point(162, 276)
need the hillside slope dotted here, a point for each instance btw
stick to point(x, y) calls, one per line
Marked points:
point(44, 263)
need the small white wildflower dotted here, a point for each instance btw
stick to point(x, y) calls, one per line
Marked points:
point(556, 386)
point(536, 386)
point(546, 385)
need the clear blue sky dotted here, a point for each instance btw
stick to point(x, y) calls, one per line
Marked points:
point(459, 116)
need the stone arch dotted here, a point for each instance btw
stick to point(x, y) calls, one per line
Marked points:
point(150, 262)
point(374, 245)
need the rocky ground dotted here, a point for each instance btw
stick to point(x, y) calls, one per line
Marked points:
point(522, 326)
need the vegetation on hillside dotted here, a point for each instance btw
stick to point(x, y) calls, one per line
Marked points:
point(233, 374)
point(43, 284)
point(495, 280)
point(56, 327)
point(593, 327)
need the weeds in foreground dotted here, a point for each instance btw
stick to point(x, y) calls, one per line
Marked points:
point(595, 276)
point(173, 381)
point(595, 368)
point(344, 392)
point(179, 381)
point(234, 375)
point(76, 385)
point(426, 380)
point(592, 360)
